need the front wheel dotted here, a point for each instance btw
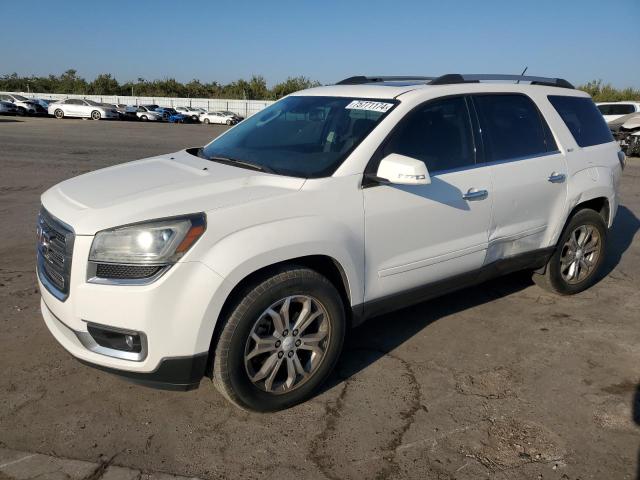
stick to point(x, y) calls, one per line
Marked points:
point(58, 113)
point(228, 122)
point(280, 341)
point(206, 121)
point(95, 115)
point(578, 258)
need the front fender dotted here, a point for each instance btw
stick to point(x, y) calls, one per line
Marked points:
point(243, 252)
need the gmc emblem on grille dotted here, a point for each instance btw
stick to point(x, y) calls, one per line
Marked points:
point(44, 241)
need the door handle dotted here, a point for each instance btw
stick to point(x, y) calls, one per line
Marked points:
point(474, 194)
point(557, 177)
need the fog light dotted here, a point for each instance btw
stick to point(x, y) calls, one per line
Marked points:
point(115, 339)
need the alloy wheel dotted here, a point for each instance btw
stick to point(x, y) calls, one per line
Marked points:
point(580, 254)
point(287, 344)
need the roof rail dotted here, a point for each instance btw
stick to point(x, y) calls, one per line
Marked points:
point(453, 78)
point(360, 79)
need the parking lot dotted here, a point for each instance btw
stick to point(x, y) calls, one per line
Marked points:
point(497, 381)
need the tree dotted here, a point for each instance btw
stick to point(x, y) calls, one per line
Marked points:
point(291, 85)
point(104, 84)
point(70, 82)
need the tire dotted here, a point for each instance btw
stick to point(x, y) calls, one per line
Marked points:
point(206, 121)
point(95, 115)
point(143, 118)
point(234, 360)
point(58, 113)
point(194, 118)
point(22, 111)
point(578, 257)
point(228, 122)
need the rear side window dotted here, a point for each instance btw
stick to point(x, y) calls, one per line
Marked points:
point(512, 127)
point(584, 120)
point(623, 109)
point(438, 133)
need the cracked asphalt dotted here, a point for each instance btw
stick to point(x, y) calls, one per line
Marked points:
point(500, 381)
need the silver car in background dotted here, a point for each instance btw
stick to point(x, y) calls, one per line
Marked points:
point(194, 113)
point(8, 108)
point(25, 105)
point(75, 107)
point(148, 112)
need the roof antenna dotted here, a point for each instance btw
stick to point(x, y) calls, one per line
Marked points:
point(522, 74)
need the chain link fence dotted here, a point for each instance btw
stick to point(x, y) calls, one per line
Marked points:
point(244, 108)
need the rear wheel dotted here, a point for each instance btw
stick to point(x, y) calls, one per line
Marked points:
point(228, 122)
point(95, 115)
point(280, 341)
point(143, 118)
point(22, 111)
point(58, 113)
point(206, 121)
point(579, 255)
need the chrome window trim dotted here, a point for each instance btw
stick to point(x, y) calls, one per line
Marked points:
point(495, 162)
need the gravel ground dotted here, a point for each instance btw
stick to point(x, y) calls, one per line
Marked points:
point(498, 381)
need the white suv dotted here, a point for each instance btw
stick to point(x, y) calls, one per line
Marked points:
point(246, 260)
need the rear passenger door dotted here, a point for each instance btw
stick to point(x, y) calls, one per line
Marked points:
point(528, 174)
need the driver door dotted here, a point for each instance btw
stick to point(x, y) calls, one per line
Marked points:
point(421, 234)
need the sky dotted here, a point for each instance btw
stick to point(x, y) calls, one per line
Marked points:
point(325, 40)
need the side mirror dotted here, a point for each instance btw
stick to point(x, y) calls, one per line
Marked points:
point(403, 170)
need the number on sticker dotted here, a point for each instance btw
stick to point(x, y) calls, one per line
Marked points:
point(369, 105)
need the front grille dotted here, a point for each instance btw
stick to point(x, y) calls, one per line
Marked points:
point(128, 272)
point(55, 250)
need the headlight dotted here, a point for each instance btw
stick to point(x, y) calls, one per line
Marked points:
point(159, 242)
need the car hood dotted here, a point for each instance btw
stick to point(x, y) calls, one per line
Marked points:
point(632, 122)
point(157, 187)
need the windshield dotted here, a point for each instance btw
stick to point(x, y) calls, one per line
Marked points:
point(20, 98)
point(94, 104)
point(301, 136)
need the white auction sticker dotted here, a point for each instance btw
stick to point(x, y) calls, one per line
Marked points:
point(368, 105)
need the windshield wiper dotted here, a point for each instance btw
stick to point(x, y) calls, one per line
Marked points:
point(236, 162)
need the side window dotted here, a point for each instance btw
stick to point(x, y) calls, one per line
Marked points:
point(512, 127)
point(604, 109)
point(438, 133)
point(623, 109)
point(583, 119)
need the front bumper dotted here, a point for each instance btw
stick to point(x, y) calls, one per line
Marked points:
point(174, 373)
point(176, 314)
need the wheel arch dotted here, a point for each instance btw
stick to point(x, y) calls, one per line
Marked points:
point(324, 264)
point(599, 204)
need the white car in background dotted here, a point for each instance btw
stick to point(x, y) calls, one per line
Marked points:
point(75, 107)
point(194, 113)
point(148, 112)
point(225, 118)
point(24, 105)
point(615, 110)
